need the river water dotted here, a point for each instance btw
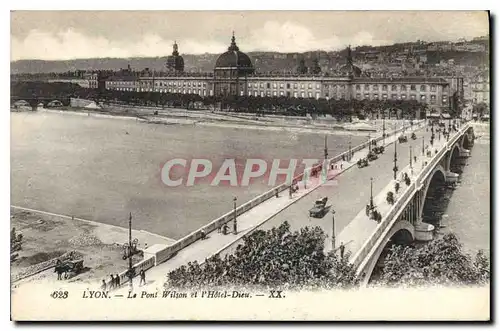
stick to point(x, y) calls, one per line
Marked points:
point(101, 169)
point(465, 210)
point(468, 212)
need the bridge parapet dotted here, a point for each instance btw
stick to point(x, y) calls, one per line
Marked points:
point(364, 254)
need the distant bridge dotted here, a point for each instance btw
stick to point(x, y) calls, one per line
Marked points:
point(34, 101)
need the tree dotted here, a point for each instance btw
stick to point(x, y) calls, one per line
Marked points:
point(315, 69)
point(302, 69)
point(440, 262)
point(277, 257)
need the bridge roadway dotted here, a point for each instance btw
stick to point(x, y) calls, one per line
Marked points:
point(348, 195)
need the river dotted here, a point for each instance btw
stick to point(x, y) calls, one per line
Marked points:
point(101, 169)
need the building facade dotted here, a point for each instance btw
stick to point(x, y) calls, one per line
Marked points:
point(234, 75)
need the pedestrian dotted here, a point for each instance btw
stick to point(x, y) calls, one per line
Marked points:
point(342, 249)
point(341, 165)
point(225, 228)
point(415, 159)
point(219, 229)
point(117, 281)
point(103, 286)
point(112, 282)
point(203, 234)
point(143, 277)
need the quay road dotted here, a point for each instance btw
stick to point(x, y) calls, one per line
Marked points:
point(350, 194)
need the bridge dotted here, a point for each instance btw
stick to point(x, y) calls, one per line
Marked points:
point(427, 165)
point(34, 101)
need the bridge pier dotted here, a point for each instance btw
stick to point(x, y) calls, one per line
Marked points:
point(451, 177)
point(423, 231)
point(464, 152)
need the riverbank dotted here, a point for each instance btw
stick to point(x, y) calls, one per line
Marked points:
point(173, 116)
point(47, 236)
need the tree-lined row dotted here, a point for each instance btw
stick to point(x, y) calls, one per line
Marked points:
point(270, 104)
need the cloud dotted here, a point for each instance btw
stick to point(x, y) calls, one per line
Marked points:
point(272, 36)
point(72, 44)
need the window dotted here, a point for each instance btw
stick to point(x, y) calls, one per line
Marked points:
point(295, 93)
point(261, 93)
point(423, 88)
point(433, 101)
point(241, 93)
point(375, 87)
point(384, 96)
point(268, 85)
point(384, 87)
point(394, 96)
point(342, 96)
point(403, 87)
point(310, 85)
point(413, 97)
point(295, 85)
point(302, 94)
point(366, 87)
point(394, 87)
point(309, 94)
point(287, 85)
point(254, 85)
point(189, 84)
point(403, 96)
point(255, 93)
point(261, 85)
point(367, 96)
point(301, 85)
point(413, 87)
point(358, 96)
point(318, 86)
point(358, 87)
point(433, 88)
point(281, 85)
point(275, 93)
point(274, 85)
point(433, 97)
point(422, 97)
point(375, 96)
point(282, 93)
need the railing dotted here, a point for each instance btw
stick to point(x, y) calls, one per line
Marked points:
point(388, 221)
point(170, 251)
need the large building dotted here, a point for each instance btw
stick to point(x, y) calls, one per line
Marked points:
point(234, 75)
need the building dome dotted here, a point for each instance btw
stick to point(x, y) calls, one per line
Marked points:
point(233, 58)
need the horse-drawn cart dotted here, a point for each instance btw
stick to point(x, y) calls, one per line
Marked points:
point(69, 268)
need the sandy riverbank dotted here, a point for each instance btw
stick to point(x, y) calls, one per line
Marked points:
point(231, 120)
point(47, 236)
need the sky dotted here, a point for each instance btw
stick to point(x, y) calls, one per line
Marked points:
point(64, 35)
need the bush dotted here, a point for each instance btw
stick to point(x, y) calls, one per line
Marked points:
point(440, 262)
point(277, 257)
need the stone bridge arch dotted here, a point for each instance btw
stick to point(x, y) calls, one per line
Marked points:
point(452, 156)
point(437, 176)
point(403, 232)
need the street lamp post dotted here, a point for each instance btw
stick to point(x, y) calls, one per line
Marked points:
point(235, 225)
point(369, 142)
point(333, 230)
point(350, 153)
point(422, 145)
point(326, 149)
point(395, 169)
point(130, 270)
point(411, 164)
point(383, 127)
point(371, 193)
